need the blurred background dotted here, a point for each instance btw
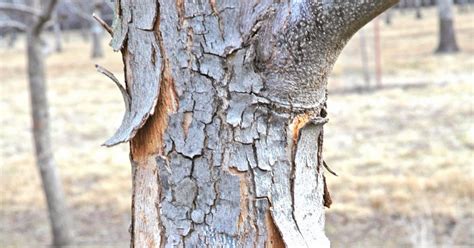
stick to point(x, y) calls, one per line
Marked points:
point(400, 136)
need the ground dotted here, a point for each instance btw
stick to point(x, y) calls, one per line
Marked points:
point(403, 153)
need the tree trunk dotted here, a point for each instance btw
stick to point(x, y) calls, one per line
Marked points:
point(403, 5)
point(41, 128)
point(12, 38)
point(447, 34)
point(364, 60)
point(225, 107)
point(44, 155)
point(58, 43)
point(388, 16)
point(96, 33)
point(418, 7)
point(84, 29)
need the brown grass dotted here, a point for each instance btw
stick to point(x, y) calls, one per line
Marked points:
point(403, 155)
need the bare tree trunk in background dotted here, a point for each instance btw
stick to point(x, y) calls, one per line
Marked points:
point(418, 8)
point(462, 6)
point(96, 32)
point(364, 59)
point(225, 107)
point(447, 34)
point(58, 44)
point(12, 38)
point(377, 54)
point(403, 6)
point(84, 29)
point(388, 16)
point(41, 132)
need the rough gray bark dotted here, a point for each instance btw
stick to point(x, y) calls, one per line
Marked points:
point(41, 127)
point(225, 107)
point(447, 34)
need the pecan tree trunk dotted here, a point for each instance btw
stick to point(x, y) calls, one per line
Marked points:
point(57, 210)
point(96, 31)
point(225, 107)
point(447, 33)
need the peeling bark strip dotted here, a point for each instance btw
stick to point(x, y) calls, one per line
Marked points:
point(226, 115)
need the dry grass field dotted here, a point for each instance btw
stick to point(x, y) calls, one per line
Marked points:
point(404, 154)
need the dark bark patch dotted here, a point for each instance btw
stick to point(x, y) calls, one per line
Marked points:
point(327, 201)
point(274, 239)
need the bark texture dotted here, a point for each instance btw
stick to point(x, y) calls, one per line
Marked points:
point(225, 107)
point(447, 34)
point(41, 131)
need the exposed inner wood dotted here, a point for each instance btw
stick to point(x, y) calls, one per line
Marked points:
point(326, 196)
point(298, 122)
point(144, 227)
point(187, 118)
point(180, 7)
point(244, 196)
point(149, 139)
point(274, 239)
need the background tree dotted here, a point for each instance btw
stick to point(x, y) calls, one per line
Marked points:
point(40, 115)
point(418, 6)
point(84, 10)
point(58, 43)
point(447, 34)
point(96, 31)
point(225, 107)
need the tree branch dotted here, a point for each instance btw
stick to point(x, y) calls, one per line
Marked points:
point(20, 8)
point(103, 24)
point(354, 14)
point(43, 17)
point(13, 24)
point(338, 18)
point(289, 48)
point(125, 95)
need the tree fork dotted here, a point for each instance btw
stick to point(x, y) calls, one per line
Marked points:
point(226, 114)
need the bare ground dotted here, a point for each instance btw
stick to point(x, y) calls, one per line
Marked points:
point(403, 154)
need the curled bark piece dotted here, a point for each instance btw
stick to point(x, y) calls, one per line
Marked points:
point(143, 77)
point(126, 97)
point(103, 24)
point(329, 169)
point(124, 133)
